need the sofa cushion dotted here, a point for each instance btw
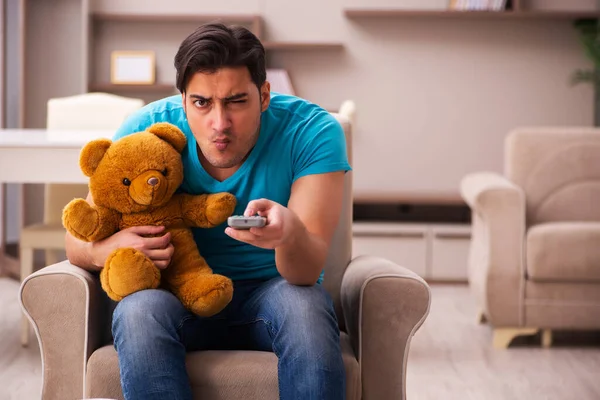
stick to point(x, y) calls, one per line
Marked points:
point(216, 375)
point(564, 252)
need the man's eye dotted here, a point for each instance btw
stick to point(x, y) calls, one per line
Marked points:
point(200, 103)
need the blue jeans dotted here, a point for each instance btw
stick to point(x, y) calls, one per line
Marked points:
point(152, 332)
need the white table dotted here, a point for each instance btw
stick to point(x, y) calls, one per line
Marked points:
point(39, 156)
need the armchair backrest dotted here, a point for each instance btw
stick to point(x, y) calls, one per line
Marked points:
point(558, 170)
point(340, 251)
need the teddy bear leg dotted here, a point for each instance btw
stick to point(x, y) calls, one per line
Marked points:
point(205, 294)
point(127, 271)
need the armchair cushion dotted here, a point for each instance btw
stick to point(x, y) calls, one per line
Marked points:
point(564, 252)
point(217, 374)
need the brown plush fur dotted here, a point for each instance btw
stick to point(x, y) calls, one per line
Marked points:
point(146, 158)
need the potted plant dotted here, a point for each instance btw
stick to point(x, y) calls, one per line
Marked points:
point(588, 30)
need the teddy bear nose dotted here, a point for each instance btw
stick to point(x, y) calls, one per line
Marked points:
point(153, 181)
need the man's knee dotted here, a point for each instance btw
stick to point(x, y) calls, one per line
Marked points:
point(141, 311)
point(304, 316)
point(301, 302)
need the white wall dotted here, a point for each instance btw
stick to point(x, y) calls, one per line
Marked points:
point(435, 97)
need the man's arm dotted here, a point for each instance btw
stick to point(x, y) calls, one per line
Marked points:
point(316, 200)
point(301, 233)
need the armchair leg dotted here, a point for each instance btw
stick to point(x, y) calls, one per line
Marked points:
point(546, 338)
point(503, 336)
point(26, 258)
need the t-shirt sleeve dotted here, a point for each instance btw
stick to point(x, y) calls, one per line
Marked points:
point(320, 147)
point(136, 122)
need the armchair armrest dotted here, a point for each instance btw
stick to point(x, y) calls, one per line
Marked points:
point(384, 305)
point(481, 190)
point(63, 303)
point(496, 270)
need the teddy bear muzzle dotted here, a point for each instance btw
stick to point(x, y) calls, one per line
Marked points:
point(149, 188)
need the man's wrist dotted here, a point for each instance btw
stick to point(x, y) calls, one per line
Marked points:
point(296, 233)
point(92, 252)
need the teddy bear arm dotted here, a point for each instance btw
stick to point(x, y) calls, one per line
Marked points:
point(89, 223)
point(207, 210)
point(109, 223)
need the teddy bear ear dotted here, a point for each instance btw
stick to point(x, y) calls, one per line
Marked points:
point(92, 154)
point(170, 134)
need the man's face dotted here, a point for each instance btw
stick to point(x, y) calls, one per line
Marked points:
point(223, 110)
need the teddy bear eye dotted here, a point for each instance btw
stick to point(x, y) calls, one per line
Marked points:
point(126, 182)
point(164, 172)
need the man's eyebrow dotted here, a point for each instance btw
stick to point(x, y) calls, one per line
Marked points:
point(233, 97)
point(198, 97)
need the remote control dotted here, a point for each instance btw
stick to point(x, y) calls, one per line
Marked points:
point(241, 222)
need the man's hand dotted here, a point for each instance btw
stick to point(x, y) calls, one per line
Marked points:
point(159, 249)
point(281, 223)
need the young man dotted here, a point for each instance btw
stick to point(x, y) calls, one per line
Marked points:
point(283, 158)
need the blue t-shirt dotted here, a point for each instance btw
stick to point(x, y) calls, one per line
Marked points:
point(296, 138)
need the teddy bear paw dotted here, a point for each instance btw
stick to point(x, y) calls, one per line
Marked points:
point(219, 207)
point(80, 219)
point(208, 294)
point(127, 271)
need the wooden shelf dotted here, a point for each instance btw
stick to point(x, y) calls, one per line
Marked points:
point(112, 88)
point(240, 18)
point(531, 14)
point(272, 45)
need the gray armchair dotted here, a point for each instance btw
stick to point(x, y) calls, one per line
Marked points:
point(380, 306)
point(535, 253)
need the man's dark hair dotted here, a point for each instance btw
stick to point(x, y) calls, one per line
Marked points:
point(214, 46)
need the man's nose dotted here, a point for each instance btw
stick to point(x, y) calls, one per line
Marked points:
point(221, 121)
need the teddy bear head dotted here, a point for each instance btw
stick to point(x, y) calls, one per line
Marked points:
point(136, 173)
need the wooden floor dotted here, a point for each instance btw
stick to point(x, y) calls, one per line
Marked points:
point(451, 357)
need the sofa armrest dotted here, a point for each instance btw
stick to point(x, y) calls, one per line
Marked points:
point(384, 305)
point(63, 303)
point(496, 270)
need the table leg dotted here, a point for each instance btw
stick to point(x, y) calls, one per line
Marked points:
point(9, 266)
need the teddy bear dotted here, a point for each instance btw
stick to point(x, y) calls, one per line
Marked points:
point(133, 182)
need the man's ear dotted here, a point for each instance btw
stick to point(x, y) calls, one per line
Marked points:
point(265, 96)
point(170, 134)
point(91, 155)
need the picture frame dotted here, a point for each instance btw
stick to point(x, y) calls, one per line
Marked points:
point(133, 68)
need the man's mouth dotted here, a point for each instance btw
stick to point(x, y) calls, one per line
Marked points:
point(221, 144)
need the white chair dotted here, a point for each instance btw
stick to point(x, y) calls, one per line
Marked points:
point(89, 111)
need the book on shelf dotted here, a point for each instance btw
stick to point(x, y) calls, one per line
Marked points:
point(280, 81)
point(478, 5)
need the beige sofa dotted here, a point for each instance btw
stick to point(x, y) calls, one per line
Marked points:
point(380, 306)
point(534, 261)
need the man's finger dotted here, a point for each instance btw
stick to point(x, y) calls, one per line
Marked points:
point(258, 205)
point(161, 264)
point(241, 235)
point(155, 255)
point(159, 242)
